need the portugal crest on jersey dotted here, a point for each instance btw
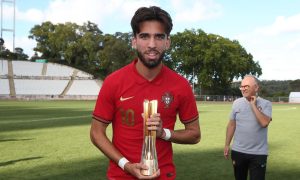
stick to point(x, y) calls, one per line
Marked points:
point(167, 99)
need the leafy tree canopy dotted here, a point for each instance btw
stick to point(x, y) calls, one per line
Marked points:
point(209, 61)
point(214, 60)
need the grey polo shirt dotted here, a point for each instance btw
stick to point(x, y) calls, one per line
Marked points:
point(249, 136)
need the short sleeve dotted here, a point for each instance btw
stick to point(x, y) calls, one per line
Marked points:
point(104, 108)
point(268, 109)
point(188, 108)
point(232, 115)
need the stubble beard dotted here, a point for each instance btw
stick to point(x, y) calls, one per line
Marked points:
point(150, 64)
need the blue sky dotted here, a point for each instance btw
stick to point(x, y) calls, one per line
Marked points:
point(268, 29)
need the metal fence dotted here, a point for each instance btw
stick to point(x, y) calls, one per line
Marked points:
point(232, 98)
point(278, 99)
point(215, 98)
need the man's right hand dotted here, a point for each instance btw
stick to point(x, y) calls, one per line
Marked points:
point(135, 170)
point(226, 151)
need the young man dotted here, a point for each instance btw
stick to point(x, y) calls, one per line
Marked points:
point(120, 102)
point(248, 124)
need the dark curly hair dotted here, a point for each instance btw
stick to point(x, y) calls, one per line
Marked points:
point(148, 14)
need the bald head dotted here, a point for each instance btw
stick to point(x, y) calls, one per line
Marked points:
point(251, 79)
point(249, 86)
point(256, 81)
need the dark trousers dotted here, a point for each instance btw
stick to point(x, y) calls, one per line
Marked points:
point(255, 164)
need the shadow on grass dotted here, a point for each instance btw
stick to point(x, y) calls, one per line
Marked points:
point(202, 165)
point(205, 165)
point(18, 160)
point(43, 118)
point(211, 165)
point(9, 140)
point(86, 169)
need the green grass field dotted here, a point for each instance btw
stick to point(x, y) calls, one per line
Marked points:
point(50, 140)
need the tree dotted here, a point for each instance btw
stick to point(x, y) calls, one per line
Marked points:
point(117, 52)
point(295, 85)
point(17, 55)
point(208, 60)
point(68, 43)
point(42, 34)
point(20, 55)
point(214, 60)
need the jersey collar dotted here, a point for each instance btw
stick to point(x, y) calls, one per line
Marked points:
point(141, 80)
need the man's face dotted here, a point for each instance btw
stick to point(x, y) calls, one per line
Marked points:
point(151, 43)
point(248, 87)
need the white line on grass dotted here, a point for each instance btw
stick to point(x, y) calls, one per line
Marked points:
point(284, 109)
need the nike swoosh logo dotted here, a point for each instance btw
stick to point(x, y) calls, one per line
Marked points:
point(124, 99)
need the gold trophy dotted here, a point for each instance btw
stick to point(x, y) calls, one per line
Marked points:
point(149, 156)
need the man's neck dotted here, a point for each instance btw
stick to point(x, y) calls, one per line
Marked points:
point(146, 72)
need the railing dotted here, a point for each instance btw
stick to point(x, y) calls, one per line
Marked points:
point(225, 98)
point(278, 99)
point(215, 98)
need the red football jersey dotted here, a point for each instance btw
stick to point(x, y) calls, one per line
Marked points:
point(120, 102)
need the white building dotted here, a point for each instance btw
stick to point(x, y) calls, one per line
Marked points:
point(294, 97)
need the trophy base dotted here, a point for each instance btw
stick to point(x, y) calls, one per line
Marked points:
point(151, 170)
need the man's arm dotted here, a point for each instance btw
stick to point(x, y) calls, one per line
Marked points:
point(263, 120)
point(100, 140)
point(191, 134)
point(229, 134)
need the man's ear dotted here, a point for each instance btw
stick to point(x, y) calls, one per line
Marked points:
point(133, 43)
point(168, 43)
point(256, 88)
